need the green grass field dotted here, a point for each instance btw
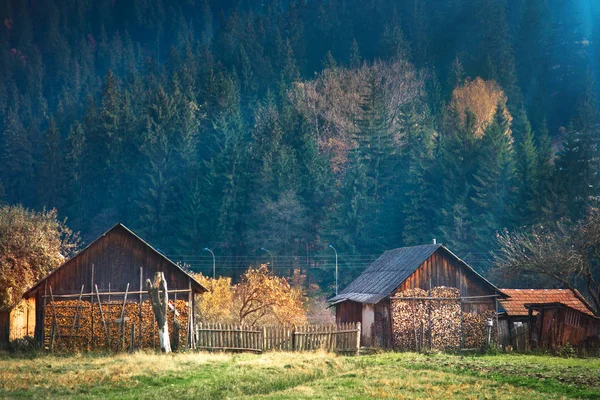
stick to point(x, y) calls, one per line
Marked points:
point(299, 376)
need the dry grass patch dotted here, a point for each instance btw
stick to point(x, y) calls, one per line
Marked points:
point(74, 371)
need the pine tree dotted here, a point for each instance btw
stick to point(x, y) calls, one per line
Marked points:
point(355, 59)
point(50, 188)
point(74, 174)
point(227, 180)
point(394, 45)
point(158, 148)
point(417, 163)
point(578, 162)
point(544, 194)
point(368, 181)
point(456, 166)
point(493, 190)
point(526, 173)
point(17, 168)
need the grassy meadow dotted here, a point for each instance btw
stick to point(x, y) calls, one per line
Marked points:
point(298, 376)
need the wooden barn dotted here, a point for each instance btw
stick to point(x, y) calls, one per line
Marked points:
point(370, 298)
point(98, 299)
point(557, 325)
point(515, 317)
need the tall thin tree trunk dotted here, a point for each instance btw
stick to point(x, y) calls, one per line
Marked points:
point(160, 304)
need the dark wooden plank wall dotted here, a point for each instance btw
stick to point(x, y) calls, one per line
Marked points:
point(4, 329)
point(441, 269)
point(117, 259)
point(348, 311)
point(557, 326)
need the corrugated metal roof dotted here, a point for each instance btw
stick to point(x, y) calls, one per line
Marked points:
point(386, 274)
point(514, 306)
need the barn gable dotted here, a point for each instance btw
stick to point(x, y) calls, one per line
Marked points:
point(408, 267)
point(116, 258)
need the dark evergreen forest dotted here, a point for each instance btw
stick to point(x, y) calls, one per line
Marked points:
point(289, 125)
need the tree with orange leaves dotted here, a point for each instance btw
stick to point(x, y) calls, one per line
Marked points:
point(262, 297)
point(481, 98)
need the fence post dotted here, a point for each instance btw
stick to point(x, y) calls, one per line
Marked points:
point(294, 337)
point(357, 337)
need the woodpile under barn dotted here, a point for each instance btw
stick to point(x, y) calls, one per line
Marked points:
point(81, 325)
point(426, 297)
point(97, 300)
point(435, 320)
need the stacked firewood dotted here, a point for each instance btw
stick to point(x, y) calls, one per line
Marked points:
point(409, 320)
point(74, 325)
point(476, 331)
point(445, 314)
point(427, 320)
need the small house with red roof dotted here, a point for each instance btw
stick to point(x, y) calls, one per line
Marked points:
point(545, 318)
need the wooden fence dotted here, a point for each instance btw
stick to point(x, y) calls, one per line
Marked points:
point(342, 338)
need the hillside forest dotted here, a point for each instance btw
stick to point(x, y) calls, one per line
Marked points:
point(289, 125)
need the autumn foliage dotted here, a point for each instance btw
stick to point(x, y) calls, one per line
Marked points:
point(215, 305)
point(482, 99)
point(331, 103)
point(31, 245)
point(259, 298)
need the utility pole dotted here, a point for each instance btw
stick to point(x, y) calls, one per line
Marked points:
point(336, 269)
point(214, 262)
point(272, 259)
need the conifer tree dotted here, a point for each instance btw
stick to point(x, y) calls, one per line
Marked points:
point(74, 174)
point(355, 58)
point(50, 188)
point(493, 189)
point(417, 191)
point(526, 173)
point(579, 160)
point(17, 168)
point(457, 164)
point(544, 194)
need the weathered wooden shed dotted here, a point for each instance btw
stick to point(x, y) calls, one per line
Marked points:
point(109, 273)
point(558, 324)
point(368, 298)
point(515, 318)
point(17, 322)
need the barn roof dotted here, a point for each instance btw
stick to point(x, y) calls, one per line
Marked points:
point(388, 272)
point(195, 283)
point(539, 306)
point(514, 305)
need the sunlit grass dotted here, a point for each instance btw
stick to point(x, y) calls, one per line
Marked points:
point(298, 375)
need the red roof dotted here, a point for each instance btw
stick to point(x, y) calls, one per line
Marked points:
point(515, 304)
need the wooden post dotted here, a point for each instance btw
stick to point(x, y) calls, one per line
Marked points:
point(123, 318)
point(54, 312)
point(52, 339)
point(462, 324)
point(102, 316)
point(132, 338)
point(92, 308)
point(140, 337)
point(190, 327)
point(77, 310)
point(530, 321)
point(109, 317)
point(44, 313)
point(357, 337)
